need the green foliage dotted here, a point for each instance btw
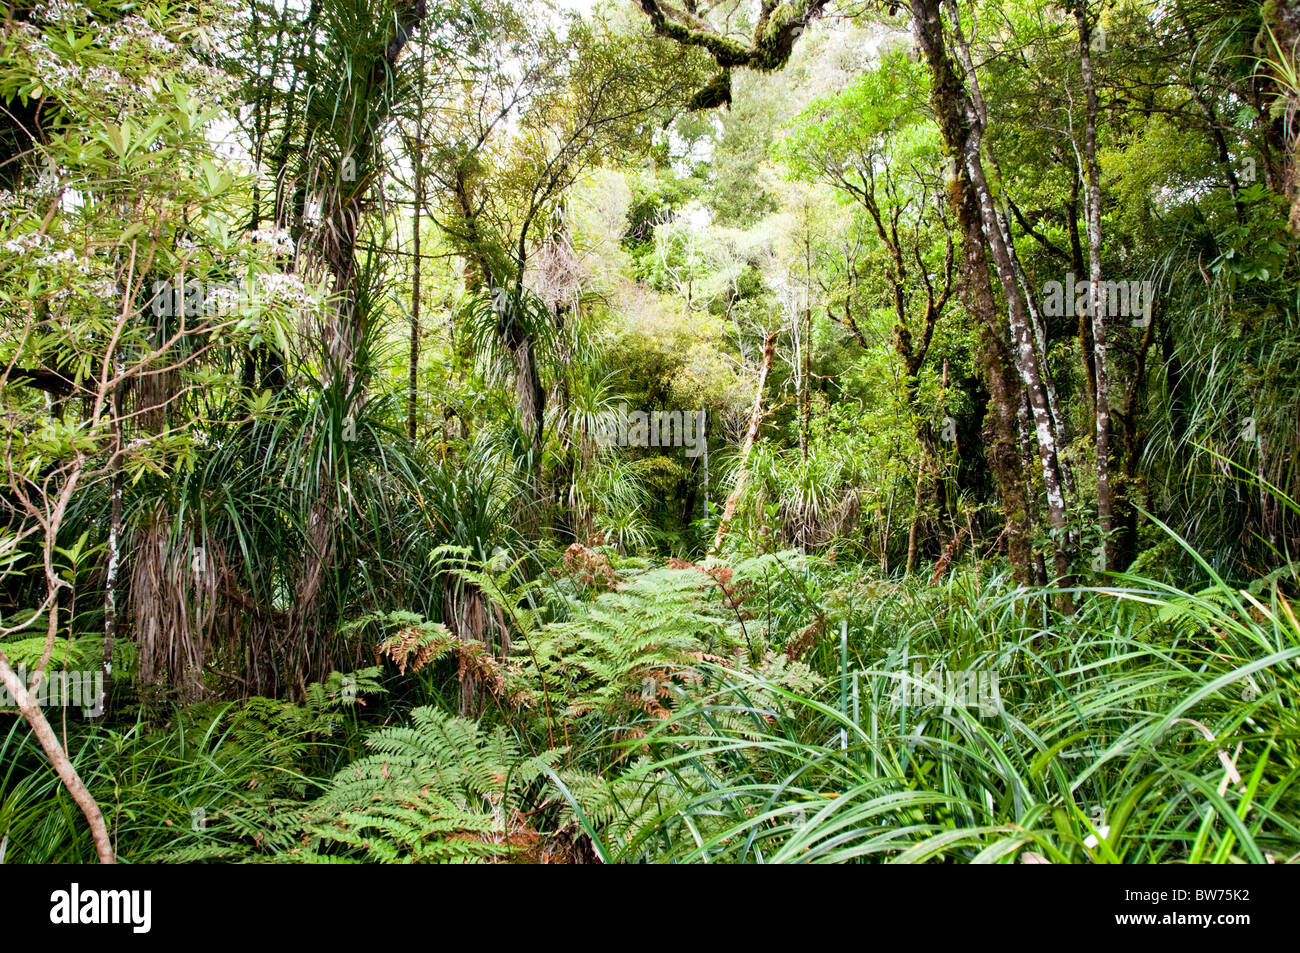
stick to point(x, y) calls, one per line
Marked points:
point(169, 789)
point(440, 790)
point(1125, 743)
point(378, 590)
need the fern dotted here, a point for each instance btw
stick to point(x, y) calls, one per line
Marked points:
point(621, 653)
point(408, 640)
point(439, 790)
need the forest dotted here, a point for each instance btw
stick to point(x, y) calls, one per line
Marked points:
point(649, 431)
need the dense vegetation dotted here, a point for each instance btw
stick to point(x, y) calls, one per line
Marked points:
point(748, 432)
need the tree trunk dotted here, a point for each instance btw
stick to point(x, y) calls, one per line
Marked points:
point(335, 246)
point(755, 420)
point(914, 530)
point(35, 718)
point(806, 395)
point(979, 123)
point(413, 383)
point(958, 121)
point(111, 571)
point(1096, 292)
point(948, 97)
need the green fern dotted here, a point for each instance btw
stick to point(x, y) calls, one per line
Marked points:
point(440, 790)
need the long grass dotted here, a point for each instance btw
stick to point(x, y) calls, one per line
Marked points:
point(1154, 726)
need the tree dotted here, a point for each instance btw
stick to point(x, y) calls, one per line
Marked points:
point(123, 187)
point(873, 144)
point(776, 27)
point(504, 164)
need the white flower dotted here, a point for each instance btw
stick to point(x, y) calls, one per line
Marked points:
point(1091, 840)
point(221, 300)
point(61, 11)
point(58, 257)
point(32, 241)
point(280, 240)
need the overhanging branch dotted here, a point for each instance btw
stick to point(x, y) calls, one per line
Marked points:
point(779, 25)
